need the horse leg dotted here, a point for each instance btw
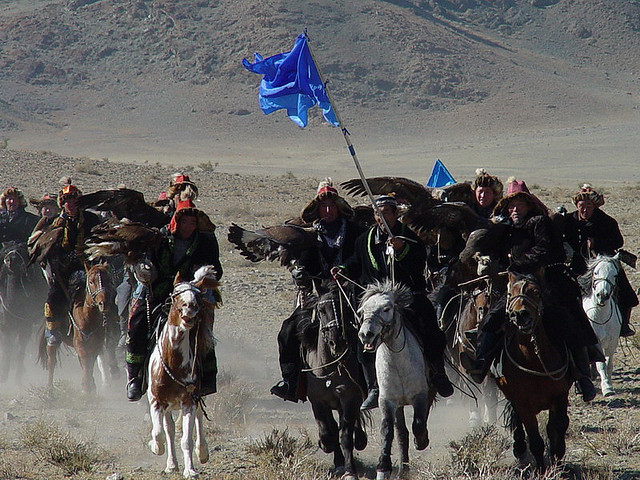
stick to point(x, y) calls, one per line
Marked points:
point(519, 438)
point(388, 410)
point(557, 428)
point(474, 413)
point(327, 428)
point(157, 442)
point(605, 382)
point(419, 426)
point(87, 362)
point(186, 442)
point(52, 352)
point(403, 441)
point(5, 359)
point(490, 395)
point(536, 443)
point(348, 419)
point(170, 433)
point(201, 442)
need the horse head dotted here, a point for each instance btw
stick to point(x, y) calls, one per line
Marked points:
point(524, 302)
point(329, 313)
point(188, 298)
point(380, 309)
point(15, 257)
point(604, 272)
point(100, 291)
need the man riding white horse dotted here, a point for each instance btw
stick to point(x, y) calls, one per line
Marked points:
point(589, 231)
point(401, 256)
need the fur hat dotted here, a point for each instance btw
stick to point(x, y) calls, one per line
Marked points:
point(47, 199)
point(13, 191)
point(186, 208)
point(67, 191)
point(162, 200)
point(325, 190)
point(182, 186)
point(483, 179)
point(588, 193)
point(517, 189)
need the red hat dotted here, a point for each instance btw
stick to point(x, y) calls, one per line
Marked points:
point(162, 196)
point(518, 189)
point(181, 210)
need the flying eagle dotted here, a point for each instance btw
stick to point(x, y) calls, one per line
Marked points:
point(122, 237)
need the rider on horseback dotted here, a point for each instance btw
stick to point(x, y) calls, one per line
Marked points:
point(402, 256)
point(16, 224)
point(189, 243)
point(588, 232)
point(331, 217)
point(532, 246)
point(65, 260)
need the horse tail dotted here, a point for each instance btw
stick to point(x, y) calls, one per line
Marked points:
point(42, 348)
point(510, 419)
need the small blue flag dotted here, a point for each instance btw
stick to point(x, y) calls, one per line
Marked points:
point(440, 176)
point(291, 81)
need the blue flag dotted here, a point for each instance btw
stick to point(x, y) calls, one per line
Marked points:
point(291, 81)
point(440, 176)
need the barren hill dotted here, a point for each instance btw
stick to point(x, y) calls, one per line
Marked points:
point(470, 81)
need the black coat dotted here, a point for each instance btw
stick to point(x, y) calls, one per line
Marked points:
point(603, 231)
point(369, 262)
point(17, 227)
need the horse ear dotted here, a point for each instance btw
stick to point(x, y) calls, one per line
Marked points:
point(177, 279)
point(512, 277)
point(86, 267)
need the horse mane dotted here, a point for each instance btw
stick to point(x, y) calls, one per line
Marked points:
point(401, 293)
point(308, 330)
point(77, 284)
point(585, 280)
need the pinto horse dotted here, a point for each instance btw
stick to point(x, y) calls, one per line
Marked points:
point(599, 302)
point(22, 292)
point(334, 379)
point(175, 370)
point(92, 296)
point(534, 374)
point(401, 370)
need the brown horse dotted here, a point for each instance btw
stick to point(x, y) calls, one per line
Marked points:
point(535, 374)
point(92, 307)
point(477, 298)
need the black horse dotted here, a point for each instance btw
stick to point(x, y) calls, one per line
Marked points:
point(22, 294)
point(334, 378)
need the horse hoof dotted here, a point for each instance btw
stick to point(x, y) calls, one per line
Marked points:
point(383, 475)
point(190, 473)
point(608, 393)
point(203, 456)
point(360, 440)
point(156, 447)
point(348, 476)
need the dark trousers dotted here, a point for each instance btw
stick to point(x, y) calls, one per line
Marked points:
point(289, 346)
point(424, 324)
point(139, 330)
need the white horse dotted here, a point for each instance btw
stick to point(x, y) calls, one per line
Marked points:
point(175, 372)
point(599, 303)
point(400, 369)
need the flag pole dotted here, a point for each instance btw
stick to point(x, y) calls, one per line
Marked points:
point(347, 139)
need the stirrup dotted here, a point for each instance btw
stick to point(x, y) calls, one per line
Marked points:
point(282, 389)
point(372, 400)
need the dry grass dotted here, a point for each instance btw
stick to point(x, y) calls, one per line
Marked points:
point(50, 444)
point(479, 452)
point(282, 456)
point(233, 401)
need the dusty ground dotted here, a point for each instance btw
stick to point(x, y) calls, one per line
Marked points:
point(257, 297)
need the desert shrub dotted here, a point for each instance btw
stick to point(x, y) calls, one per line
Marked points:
point(208, 166)
point(232, 401)
point(48, 443)
point(87, 166)
point(480, 451)
point(4, 143)
point(282, 456)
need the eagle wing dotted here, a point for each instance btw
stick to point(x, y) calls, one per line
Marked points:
point(122, 237)
point(405, 190)
point(124, 203)
point(285, 243)
point(45, 244)
point(423, 217)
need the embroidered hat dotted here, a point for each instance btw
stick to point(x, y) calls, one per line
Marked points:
point(517, 189)
point(182, 186)
point(386, 200)
point(50, 199)
point(483, 179)
point(188, 208)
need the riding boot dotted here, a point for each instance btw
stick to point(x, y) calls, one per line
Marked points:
point(287, 388)
point(438, 378)
point(625, 328)
point(485, 354)
point(582, 373)
point(369, 370)
point(134, 381)
point(208, 384)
